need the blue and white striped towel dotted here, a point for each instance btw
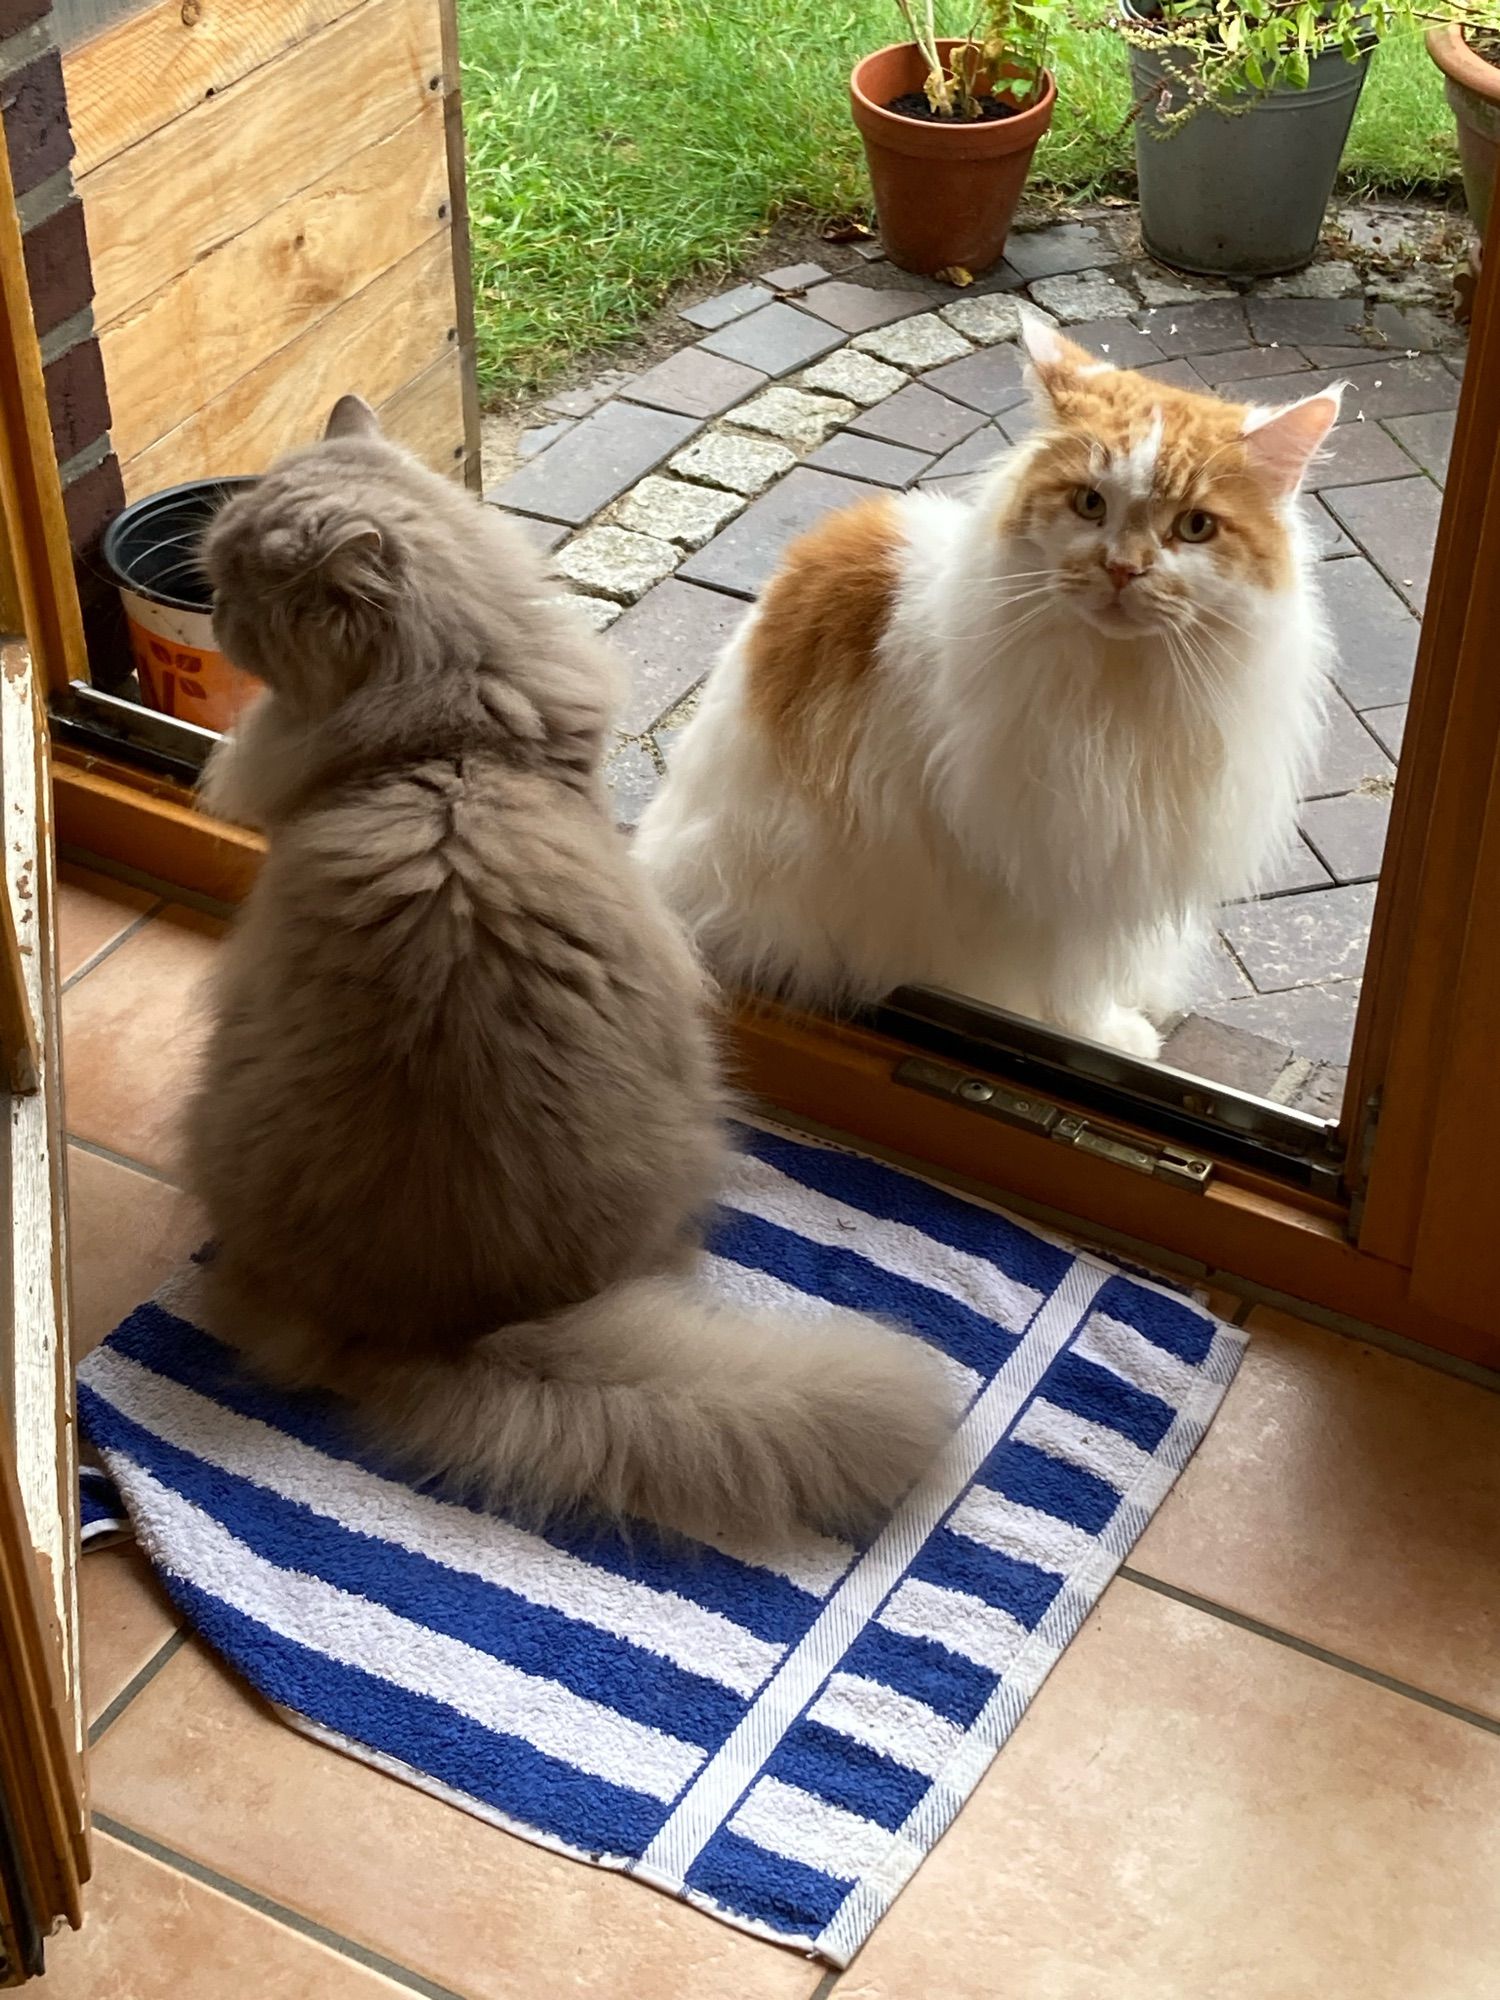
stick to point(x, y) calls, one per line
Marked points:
point(777, 1735)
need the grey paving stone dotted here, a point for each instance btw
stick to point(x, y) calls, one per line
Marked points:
point(745, 554)
point(671, 639)
point(988, 320)
point(1395, 522)
point(1321, 1092)
point(596, 612)
point(858, 377)
point(582, 402)
point(1063, 246)
point(670, 728)
point(631, 775)
point(1180, 374)
point(924, 341)
point(775, 340)
point(676, 510)
point(1227, 371)
point(1019, 423)
point(1213, 328)
point(1349, 755)
point(856, 308)
point(1428, 439)
point(1116, 341)
point(990, 380)
point(1415, 326)
point(1208, 1048)
point(1398, 388)
point(1328, 537)
point(695, 382)
point(792, 415)
point(975, 454)
point(1375, 634)
point(1317, 1021)
point(616, 562)
point(543, 536)
point(1379, 230)
point(1422, 286)
point(1454, 363)
point(595, 462)
point(1297, 870)
point(726, 306)
point(870, 248)
point(1217, 975)
point(739, 464)
point(1348, 833)
point(1301, 940)
point(1294, 322)
point(539, 436)
point(794, 277)
point(919, 418)
point(1335, 279)
point(1085, 295)
point(1277, 389)
point(1387, 724)
point(871, 458)
point(1160, 287)
point(1354, 455)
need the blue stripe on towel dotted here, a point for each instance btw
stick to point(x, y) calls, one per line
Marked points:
point(505, 1668)
point(500, 1770)
point(753, 1882)
point(893, 1196)
point(846, 1279)
point(848, 1774)
point(504, 1624)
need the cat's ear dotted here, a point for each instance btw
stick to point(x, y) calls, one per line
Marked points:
point(1279, 444)
point(350, 561)
point(1056, 361)
point(352, 416)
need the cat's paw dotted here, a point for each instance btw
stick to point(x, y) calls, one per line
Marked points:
point(1128, 1029)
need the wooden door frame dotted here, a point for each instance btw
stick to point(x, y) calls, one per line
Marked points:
point(1415, 1249)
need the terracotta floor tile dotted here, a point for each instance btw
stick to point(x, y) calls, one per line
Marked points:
point(152, 1934)
point(1352, 1498)
point(131, 1032)
point(126, 1233)
point(92, 910)
point(126, 1621)
point(1190, 1811)
point(211, 1772)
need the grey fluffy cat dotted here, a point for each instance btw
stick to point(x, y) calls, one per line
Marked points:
point(460, 1114)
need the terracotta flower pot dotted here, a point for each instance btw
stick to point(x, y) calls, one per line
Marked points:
point(1473, 90)
point(945, 190)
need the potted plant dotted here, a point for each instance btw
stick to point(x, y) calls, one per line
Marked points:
point(949, 127)
point(1469, 57)
point(1242, 116)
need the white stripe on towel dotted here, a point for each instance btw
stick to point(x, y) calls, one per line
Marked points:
point(1122, 1350)
point(761, 1190)
point(1024, 1533)
point(787, 1821)
point(704, 1642)
point(586, 1734)
point(800, 1674)
point(965, 1625)
point(883, 1719)
point(1077, 1441)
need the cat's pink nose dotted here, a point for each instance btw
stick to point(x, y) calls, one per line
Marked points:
point(1121, 573)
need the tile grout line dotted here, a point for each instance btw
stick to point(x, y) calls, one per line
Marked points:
point(1243, 1622)
point(108, 950)
point(266, 1906)
point(123, 1160)
point(112, 1712)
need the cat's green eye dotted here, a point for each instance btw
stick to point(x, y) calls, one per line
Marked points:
point(1195, 526)
point(1088, 504)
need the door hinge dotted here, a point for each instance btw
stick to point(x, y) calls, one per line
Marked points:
point(1163, 1161)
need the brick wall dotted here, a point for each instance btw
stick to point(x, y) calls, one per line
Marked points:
point(37, 137)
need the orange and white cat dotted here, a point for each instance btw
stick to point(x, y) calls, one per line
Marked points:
point(1022, 746)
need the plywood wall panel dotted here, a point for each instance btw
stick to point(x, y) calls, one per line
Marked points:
point(427, 415)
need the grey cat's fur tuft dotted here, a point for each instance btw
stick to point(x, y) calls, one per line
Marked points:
point(460, 1115)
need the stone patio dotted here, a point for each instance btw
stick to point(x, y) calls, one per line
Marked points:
point(664, 498)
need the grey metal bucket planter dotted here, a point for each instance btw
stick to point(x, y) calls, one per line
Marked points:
point(1242, 194)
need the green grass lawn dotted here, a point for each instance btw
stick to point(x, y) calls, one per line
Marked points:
point(617, 145)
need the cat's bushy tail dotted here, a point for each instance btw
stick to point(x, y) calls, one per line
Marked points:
point(657, 1401)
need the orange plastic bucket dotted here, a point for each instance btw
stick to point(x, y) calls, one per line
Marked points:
point(152, 552)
